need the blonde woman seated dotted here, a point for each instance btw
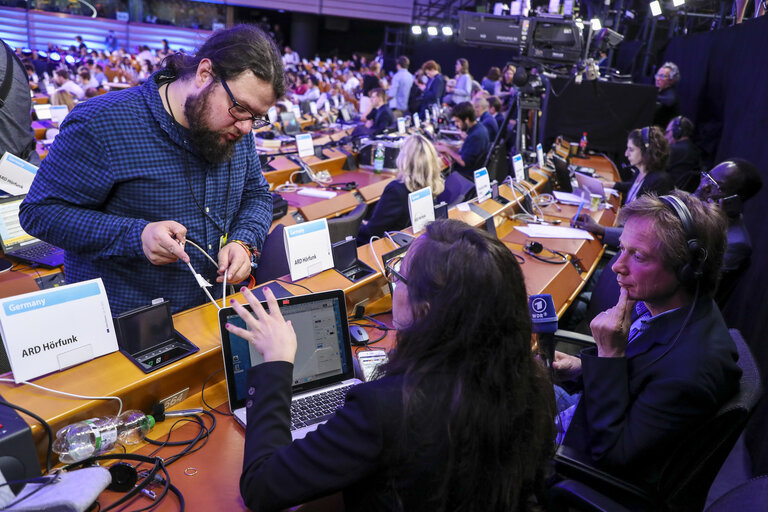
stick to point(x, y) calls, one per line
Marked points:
point(63, 98)
point(418, 166)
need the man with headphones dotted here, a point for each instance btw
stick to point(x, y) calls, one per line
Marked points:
point(684, 156)
point(664, 360)
point(730, 184)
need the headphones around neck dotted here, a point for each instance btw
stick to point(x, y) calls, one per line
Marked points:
point(690, 272)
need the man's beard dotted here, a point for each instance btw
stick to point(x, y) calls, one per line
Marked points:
point(207, 142)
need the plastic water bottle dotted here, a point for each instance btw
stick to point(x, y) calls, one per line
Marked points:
point(583, 144)
point(91, 437)
point(378, 158)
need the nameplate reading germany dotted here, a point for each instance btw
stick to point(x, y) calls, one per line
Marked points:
point(308, 248)
point(54, 329)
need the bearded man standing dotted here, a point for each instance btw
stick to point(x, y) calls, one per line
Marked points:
point(135, 174)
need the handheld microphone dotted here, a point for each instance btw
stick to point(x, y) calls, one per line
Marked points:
point(544, 318)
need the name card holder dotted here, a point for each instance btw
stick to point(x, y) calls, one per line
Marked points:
point(308, 248)
point(421, 208)
point(482, 184)
point(54, 329)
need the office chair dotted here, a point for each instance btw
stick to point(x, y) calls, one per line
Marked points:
point(751, 496)
point(686, 475)
point(347, 225)
point(498, 164)
point(273, 262)
point(729, 280)
point(457, 189)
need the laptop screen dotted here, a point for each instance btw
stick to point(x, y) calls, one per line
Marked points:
point(290, 124)
point(11, 234)
point(42, 111)
point(323, 355)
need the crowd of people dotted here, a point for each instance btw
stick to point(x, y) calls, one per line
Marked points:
point(463, 415)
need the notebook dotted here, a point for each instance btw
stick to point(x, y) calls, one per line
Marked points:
point(17, 244)
point(323, 370)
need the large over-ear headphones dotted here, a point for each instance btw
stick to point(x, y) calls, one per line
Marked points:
point(644, 135)
point(690, 272)
point(676, 131)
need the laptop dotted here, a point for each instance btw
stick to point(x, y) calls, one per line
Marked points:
point(592, 185)
point(290, 125)
point(18, 244)
point(323, 370)
point(42, 111)
point(562, 174)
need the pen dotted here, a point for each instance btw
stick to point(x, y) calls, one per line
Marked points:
point(578, 212)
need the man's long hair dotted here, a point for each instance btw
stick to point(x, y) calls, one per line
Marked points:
point(232, 52)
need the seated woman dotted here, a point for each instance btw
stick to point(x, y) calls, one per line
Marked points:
point(461, 418)
point(418, 166)
point(648, 152)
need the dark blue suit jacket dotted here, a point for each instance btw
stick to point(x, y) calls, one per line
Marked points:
point(432, 94)
point(359, 451)
point(473, 151)
point(635, 408)
point(391, 213)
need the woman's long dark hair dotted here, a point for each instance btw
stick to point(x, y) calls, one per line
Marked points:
point(653, 146)
point(471, 323)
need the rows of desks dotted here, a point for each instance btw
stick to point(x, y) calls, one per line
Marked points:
point(214, 486)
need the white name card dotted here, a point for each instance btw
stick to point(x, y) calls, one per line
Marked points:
point(519, 167)
point(16, 175)
point(416, 121)
point(313, 108)
point(540, 155)
point(272, 114)
point(482, 184)
point(421, 208)
point(58, 113)
point(336, 101)
point(296, 111)
point(304, 144)
point(401, 125)
point(50, 330)
point(308, 248)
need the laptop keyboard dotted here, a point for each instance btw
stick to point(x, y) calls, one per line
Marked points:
point(317, 408)
point(37, 251)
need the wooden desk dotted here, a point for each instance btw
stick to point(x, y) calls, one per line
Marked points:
point(113, 374)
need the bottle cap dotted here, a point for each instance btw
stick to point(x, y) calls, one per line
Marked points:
point(151, 421)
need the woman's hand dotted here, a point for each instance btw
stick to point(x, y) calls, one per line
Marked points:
point(269, 333)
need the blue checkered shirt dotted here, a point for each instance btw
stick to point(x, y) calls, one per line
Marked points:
point(119, 164)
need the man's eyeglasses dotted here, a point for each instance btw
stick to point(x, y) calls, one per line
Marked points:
point(662, 75)
point(241, 113)
point(391, 273)
point(708, 179)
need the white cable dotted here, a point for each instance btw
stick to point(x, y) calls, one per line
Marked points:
point(286, 188)
point(224, 290)
point(376, 258)
point(202, 251)
point(70, 395)
point(211, 299)
point(202, 283)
